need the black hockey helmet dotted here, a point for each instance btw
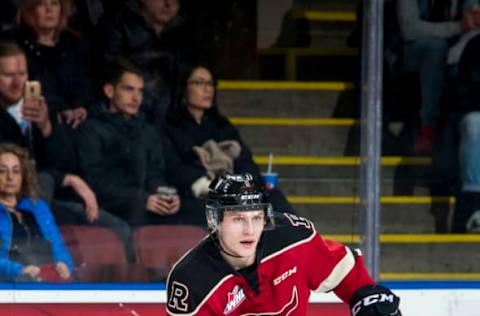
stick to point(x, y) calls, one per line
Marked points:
point(235, 192)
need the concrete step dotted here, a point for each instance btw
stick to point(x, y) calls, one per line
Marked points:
point(286, 99)
point(316, 136)
point(342, 135)
point(400, 215)
point(323, 28)
point(324, 140)
point(312, 68)
point(295, 52)
point(322, 5)
point(314, 167)
point(342, 172)
point(321, 38)
point(329, 22)
point(332, 61)
point(331, 187)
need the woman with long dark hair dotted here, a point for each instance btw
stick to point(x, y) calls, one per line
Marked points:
point(201, 135)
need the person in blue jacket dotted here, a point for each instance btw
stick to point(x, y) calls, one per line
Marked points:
point(29, 236)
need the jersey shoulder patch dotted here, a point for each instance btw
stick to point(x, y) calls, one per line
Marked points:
point(289, 229)
point(295, 221)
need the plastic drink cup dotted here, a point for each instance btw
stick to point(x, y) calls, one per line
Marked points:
point(271, 180)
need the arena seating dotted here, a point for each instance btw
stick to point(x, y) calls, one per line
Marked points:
point(99, 255)
point(158, 247)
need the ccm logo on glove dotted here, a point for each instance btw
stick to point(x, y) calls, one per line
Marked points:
point(372, 299)
point(375, 300)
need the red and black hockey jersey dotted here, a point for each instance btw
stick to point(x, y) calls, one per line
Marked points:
point(292, 260)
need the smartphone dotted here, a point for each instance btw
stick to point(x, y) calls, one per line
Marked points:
point(32, 89)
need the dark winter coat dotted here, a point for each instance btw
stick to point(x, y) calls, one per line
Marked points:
point(122, 160)
point(184, 133)
point(131, 36)
point(41, 149)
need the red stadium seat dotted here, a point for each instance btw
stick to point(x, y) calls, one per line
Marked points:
point(158, 247)
point(99, 255)
point(93, 244)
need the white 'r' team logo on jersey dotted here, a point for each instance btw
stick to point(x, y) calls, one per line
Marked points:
point(234, 299)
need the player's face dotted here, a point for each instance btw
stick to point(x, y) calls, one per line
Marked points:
point(238, 234)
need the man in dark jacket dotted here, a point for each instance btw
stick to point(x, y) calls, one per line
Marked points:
point(152, 35)
point(25, 123)
point(123, 159)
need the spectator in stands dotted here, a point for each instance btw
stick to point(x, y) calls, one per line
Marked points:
point(26, 122)
point(428, 29)
point(123, 159)
point(7, 14)
point(29, 237)
point(152, 35)
point(467, 207)
point(57, 58)
point(88, 13)
point(205, 140)
point(23, 122)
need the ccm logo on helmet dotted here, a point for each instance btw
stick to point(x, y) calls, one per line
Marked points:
point(250, 197)
point(371, 299)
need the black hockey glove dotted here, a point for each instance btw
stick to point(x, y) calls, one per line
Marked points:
point(374, 300)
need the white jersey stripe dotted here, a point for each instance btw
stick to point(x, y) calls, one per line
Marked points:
point(338, 273)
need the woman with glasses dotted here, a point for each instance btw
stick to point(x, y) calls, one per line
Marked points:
point(196, 127)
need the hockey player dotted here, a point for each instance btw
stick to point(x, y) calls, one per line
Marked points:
point(253, 263)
